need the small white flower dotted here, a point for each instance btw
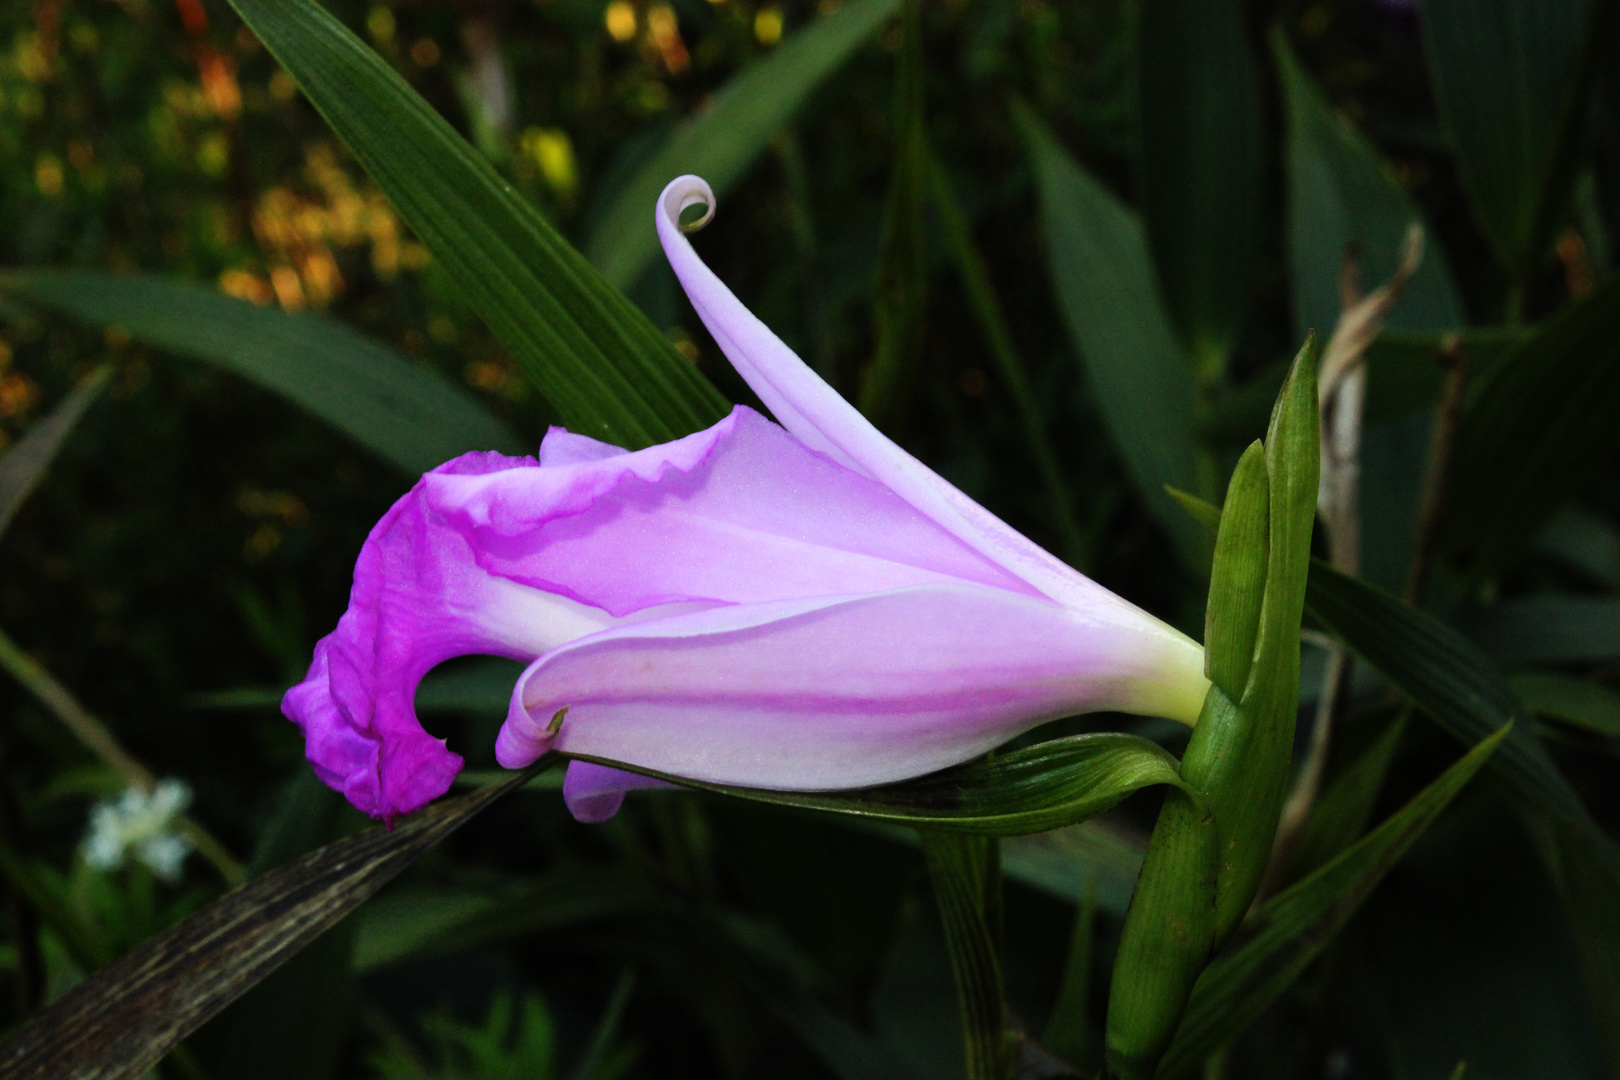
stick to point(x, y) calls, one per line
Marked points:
point(143, 821)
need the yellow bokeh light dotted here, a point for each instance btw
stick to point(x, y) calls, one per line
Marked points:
point(620, 19)
point(553, 151)
point(768, 25)
point(48, 175)
point(380, 22)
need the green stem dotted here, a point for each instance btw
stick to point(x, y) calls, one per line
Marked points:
point(966, 874)
point(987, 310)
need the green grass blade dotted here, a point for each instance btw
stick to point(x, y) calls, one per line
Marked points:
point(981, 296)
point(960, 867)
point(900, 309)
point(1449, 678)
point(404, 413)
point(724, 141)
point(1201, 146)
point(1278, 941)
point(607, 371)
point(1505, 72)
point(1340, 196)
point(23, 465)
point(1103, 274)
point(1535, 428)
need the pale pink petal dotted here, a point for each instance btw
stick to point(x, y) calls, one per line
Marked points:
point(843, 692)
point(739, 513)
point(823, 420)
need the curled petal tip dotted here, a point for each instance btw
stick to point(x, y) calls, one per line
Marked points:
point(682, 193)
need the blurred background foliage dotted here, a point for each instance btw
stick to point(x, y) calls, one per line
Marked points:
point(1060, 250)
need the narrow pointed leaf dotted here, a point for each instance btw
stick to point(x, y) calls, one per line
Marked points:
point(122, 1021)
point(974, 278)
point(1534, 430)
point(958, 868)
point(1141, 378)
point(901, 302)
point(721, 143)
point(23, 465)
point(1449, 678)
point(1277, 943)
point(1340, 196)
point(404, 413)
point(1241, 763)
point(1237, 584)
point(608, 372)
point(1505, 73)
point(1040, 787)
point(1201, 158)
point(1580, 703)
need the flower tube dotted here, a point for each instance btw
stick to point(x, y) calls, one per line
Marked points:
point(798, 605)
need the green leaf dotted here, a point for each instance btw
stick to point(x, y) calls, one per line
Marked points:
point(119, 1023)
point(1533, 431)
point(1547, 629)
point(23, 465)
point(1507, 74)
point(1345, 807)
point(1068, 1029)
point(1341, 198)
point(1579, 703)
point(1201, 148)
point(1106, 290)
point(1067, 862)
point(1241, 762)
point(413, 922)
point(406, 414)
point(607, 371)
point(981, 296)
point(1449, 678)
point(960, 869)
point(721, 143)
point(901, 302)
point(1404, 367)
point(1237, 583)
point(1040, 787)
point(1277, 943)
point(1586, 868)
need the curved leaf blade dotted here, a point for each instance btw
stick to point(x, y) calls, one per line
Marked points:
point(1445, 674)
point(405, 414)
point(1535, 428)
point(606, 369)
point(1504, 74)
point(23, 466)
point(1102, 271)
point(722, 143)
point(1030, 790)
point(1290, 930)
point(1340, 197)
point(1201, 163)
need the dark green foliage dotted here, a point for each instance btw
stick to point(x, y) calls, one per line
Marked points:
point(1124, 219)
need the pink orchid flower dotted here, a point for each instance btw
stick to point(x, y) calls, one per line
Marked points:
point(799, 605)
